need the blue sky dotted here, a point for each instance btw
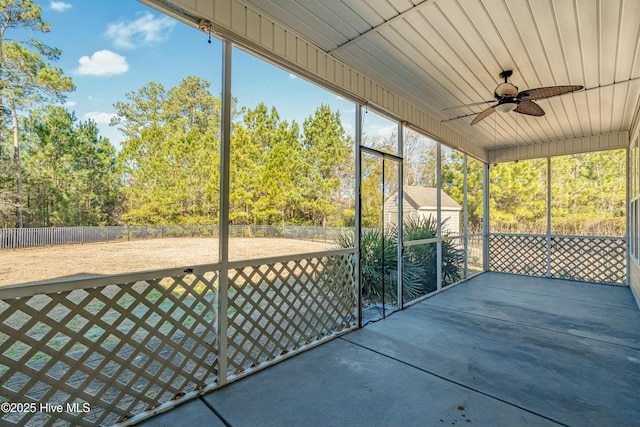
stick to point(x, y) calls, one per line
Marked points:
point(110, 51)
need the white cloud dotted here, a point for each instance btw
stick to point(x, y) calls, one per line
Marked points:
point(292, 76)
point(99, 117)
point(70, 104)
point(144, 30)
point(385, 132)
point(349, 129)
point(60, 6)
point(103, 63)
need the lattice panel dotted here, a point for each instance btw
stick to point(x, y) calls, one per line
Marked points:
point(520, 254)
point(123, 349)
point(277, 308)
point(589, 260)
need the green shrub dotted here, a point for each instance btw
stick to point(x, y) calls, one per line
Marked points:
point(419, 275)
point(376, 247)
point(424, 256)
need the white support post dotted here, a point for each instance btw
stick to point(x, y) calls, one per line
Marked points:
point(439, 216)
point(225, 147)
point(400, 180)
point(628, 196)
point(465, 218)
point(486, 219)
point(358, 224)
point(548, 216)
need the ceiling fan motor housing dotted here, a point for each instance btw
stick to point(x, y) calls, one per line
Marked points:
point(505, 89)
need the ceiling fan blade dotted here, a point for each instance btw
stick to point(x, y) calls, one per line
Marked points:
point(470, 105)
point(548, 92)
point(486, 113)
point(526, 106)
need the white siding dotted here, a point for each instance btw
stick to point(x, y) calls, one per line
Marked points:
point(452, 223)
point(391, 211)
point(634, 280)
point(560, 148)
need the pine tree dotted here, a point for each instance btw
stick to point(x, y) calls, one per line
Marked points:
point(169, 163)
point(327, 154)
point(69, 171)
point(26, 75)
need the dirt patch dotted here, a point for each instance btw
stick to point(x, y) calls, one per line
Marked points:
point(98, 259)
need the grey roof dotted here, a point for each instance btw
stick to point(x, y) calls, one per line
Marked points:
point(425, 197)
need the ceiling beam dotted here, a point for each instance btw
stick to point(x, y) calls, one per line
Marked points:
point(170, 8)
point(587, 144)
point(385, 24)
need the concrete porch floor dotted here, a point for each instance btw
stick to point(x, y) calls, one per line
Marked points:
point(497, 350)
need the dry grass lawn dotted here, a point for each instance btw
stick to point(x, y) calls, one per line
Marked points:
point(44, 264)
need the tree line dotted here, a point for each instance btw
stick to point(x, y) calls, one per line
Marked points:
point(281, 173)
point(167, 170)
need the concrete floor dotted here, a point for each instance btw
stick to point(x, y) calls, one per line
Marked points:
point(498, 350)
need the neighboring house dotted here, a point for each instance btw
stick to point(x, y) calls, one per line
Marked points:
point(421, 202)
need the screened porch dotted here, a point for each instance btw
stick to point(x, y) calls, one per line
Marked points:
point(513, 317)
point(496, 350)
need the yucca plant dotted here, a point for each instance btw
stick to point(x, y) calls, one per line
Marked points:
point(379, 258)
point(424, 257)
point(419, 275)
point(452, 263)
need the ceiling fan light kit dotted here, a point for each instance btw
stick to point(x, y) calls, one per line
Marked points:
point(506, 107)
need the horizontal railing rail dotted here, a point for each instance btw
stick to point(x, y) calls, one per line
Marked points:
point(619, 238)
point(113, 350)
point(409, 243)
point(598, 259)
point(22, 238)
point(70, 284)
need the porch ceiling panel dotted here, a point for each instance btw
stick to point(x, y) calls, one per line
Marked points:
point(439, 54)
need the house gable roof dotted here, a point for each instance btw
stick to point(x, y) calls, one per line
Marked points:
point(426, 198)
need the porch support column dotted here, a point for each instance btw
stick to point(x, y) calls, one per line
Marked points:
point(358, 222)
point(548, 216)
point(225, 146)
point(465, 218)
point(400, 180)
point(630, 212)
point(439, 216)
point(485, 213)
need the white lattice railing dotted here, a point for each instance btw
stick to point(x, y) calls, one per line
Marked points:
point(582, 258)
point(284, 305)
point(518, 253)
point(103, 351)
point(589, 259)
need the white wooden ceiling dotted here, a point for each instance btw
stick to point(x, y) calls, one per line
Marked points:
point(442, 53)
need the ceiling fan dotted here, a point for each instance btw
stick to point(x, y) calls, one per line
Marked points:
point(509, 99)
